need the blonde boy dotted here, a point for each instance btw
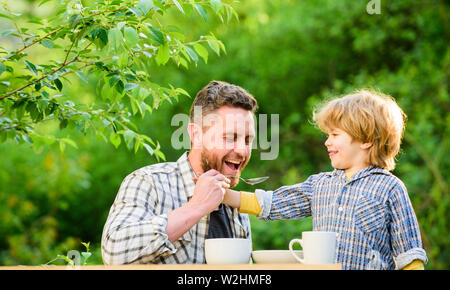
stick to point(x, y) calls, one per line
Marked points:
point(366, 205)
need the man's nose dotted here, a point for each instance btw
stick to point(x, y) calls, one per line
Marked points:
point(327, 142)
point(240, 148)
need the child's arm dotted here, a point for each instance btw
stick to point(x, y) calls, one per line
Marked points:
point(414, 265)
point(246, 202)
point(286, 202)
point(404, 229)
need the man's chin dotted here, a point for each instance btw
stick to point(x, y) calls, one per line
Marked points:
point(234, 180)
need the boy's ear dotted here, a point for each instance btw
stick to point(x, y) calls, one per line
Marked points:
point(366, 145)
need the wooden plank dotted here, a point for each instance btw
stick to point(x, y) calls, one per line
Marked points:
point(183, 267)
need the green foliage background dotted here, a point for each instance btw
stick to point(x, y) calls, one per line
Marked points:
point(290, 55)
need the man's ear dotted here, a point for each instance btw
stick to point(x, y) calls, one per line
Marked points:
point(366, 145)
point(195, 134)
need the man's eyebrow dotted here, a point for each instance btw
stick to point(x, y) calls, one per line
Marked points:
point(229, 133)
point(235, 134)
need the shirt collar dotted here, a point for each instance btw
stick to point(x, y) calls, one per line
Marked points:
point(187, 173)
point(360, 174)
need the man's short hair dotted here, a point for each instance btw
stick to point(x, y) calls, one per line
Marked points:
point(218, 93)
point(367, 116)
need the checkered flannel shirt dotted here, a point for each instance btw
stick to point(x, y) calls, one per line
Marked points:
point(371, 213)
point(135, 231)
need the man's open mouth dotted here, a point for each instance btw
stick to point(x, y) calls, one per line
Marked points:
point(233, 164)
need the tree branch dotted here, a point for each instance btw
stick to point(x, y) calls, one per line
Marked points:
point(46, 75)
point(62, 27)
point(36, 41)
point(41, 78)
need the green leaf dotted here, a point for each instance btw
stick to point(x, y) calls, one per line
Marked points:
point(7, 32)
point(163, 55)
point(70, 142)
point(113, 80)
point(179, 6)
point(119, 87)
point(42, 104)
point(115, 139)
point(62, 146)
point(43, 2)
point(86, 245)
point(203, 52)
point(149, 148)
point(115, 39)
point(31, 67)
point(6, 16)
point(103, 35)
point(47, 43)
point(33, 110)
point(159, 155)
point(82, 76)
point(120, 25)
point(2, 68)
point(213, 43)
point(137, 144)
point(201, 11)
point(157, 35)
point(27, 139)
point(131, 86)
point(63, 123)
point(131, 36)
point(136, 11)
point(183, 62)
point(74, 20)
point(128, 136)
point(145, 5)
point(216, 5)
point(222, 46)
point(191, 53)
point(182, 91)
point(58, 84)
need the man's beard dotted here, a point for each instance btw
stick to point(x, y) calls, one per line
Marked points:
point(211, 161)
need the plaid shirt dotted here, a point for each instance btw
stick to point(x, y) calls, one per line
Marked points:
point(135, 231)
point(371, 213)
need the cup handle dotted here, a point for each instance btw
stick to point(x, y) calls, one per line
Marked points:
point(291, 244)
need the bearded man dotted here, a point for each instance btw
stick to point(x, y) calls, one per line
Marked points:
point(164, 212)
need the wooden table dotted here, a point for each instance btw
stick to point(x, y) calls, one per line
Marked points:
point(183, 267)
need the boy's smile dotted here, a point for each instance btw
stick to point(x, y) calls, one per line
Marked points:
point(345, 153)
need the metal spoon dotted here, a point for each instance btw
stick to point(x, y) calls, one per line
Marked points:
point(251, 181)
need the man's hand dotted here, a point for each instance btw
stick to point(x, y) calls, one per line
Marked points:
point(208, 194)
point(209, 191)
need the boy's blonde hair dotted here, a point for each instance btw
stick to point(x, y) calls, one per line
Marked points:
point(368, 117)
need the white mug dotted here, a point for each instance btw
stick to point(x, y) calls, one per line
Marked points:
point(318, 247)
point(228, 251)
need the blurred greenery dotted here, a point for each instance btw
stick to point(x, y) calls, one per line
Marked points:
point(290, 55)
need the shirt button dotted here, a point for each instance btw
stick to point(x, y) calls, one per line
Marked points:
point(340, 208)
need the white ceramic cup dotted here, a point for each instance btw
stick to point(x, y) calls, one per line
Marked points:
point(318, 247)
point(228, 251)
